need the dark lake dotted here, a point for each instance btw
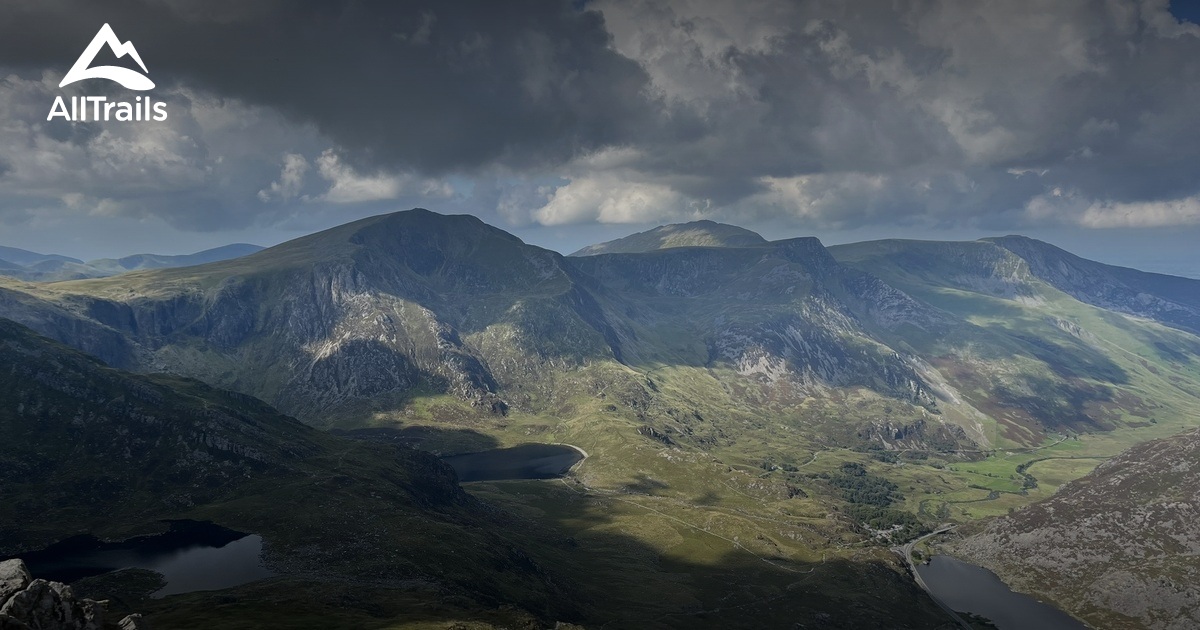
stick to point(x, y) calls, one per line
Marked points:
point(526, 461)
point(191, 556)
point(969, 588)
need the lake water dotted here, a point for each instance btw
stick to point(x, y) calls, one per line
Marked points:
point(969, 588)
point(527, 461)
point(191, 556)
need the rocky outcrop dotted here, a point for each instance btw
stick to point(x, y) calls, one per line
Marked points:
point(1118, 548)
point(134, 622)
point(14, 577)
point(32, 604)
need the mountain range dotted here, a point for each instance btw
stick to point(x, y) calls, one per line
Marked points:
point(755, 411)
point(32, 266)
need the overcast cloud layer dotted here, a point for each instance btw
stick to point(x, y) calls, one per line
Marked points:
point(822, 115)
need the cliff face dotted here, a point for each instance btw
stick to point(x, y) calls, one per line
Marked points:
point(785, 313)
point(362, 314)
point(84, 441)
point(83, 436)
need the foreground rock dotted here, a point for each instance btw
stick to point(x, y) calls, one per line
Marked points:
point(29, 604)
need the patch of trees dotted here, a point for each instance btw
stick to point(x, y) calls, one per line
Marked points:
point(904, 525)
point(1030, 482)
point(870, 497)
point(769, 465)
point(861, 487)
point(887, 457)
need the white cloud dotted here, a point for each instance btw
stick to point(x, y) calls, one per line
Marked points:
point(1073, 207)
point(120, 160)
point(201, 169)
point(609, 199)
point(346, 185)
point(1142, 214)
point(290, 182)
point(685, 46)
point(825, 113)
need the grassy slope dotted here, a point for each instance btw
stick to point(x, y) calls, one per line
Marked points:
point(666, 531)
point(1151, 391)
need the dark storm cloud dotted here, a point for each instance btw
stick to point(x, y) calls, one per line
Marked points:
point(823, 113)
point(844, 113)
point(428, 85)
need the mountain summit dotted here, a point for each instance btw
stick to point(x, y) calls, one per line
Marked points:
point(693, 234)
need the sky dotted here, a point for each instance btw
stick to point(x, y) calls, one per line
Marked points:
point(570, 122)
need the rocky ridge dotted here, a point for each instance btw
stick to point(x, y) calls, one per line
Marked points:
point(35, 604)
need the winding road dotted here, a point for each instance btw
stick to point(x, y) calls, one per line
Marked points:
point(906, 551)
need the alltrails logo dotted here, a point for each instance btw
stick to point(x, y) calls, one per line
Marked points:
point(99, 107)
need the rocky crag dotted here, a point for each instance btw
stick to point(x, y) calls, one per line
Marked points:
point(34, 604)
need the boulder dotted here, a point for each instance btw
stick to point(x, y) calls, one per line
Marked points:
point(28, 604)
point(134, 622)
point(14, 577)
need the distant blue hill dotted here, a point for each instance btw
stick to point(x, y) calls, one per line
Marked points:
point(157, 261)
point(24, 257)
point(35, 267)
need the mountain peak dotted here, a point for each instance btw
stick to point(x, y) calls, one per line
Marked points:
point(703, 233)
point(1018, 240)
point(467, 225)
point(406, 233)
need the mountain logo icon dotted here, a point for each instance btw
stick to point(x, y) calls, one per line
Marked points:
point(131, 79)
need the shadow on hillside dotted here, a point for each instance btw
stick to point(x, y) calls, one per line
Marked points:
point(692, 578)
point(1080, 388)
point(1067, 357)
point(574, 555)
point(644, 484)
point(440, 441)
